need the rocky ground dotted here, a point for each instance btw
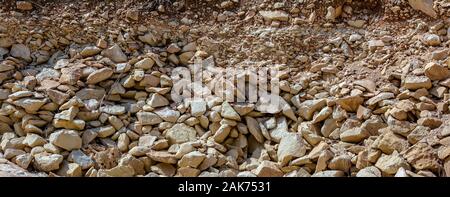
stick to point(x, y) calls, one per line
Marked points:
point(85, 88)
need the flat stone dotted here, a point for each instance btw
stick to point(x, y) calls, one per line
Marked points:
point(434, 71)
point(390, 164)
point(254, 128)
point(21, 51)
point(291, 146)
point(148, 118)
point(90, 51)
point(69, 124)
point(115, 54)
point(228, 112)
point(268, 169)
point(280, 130)
point(91, 93)
point(66, 139)
point(99, 75)
point(192, 159)
point(162, 156)
point(146, 64)
point(48, 73)
point(426, 6)
point(417, 82)
point(380, 97)
point(222, 133)
point(389, 142)
point(350, 103)
point(118, 171)
point(307, 108)
point(198, 107)
point(168, 114)
point(370, 171)
point(33, 140)
point(423, 157)
point(81, 159)
point(47, 162)
point(113, 109)
point(274, 15)
point(30, 105)
point(353, 135)
point(180, 133)
point(156, 100)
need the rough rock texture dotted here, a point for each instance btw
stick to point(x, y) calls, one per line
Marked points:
point(151, 88)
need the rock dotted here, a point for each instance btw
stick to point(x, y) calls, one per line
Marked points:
point(350, 103)
point(47, 73)
point(113, 109)
point(147, 140)
point(254, 128)
point(99, 75)
point(423, 157)
point(115, 54)
point(6, 67)
point(91, 93)
point(90, 51)
point(274, 15)
point(21, 51)
point(307, 108)
point(280, 129)
point(431, 39)
point(341, 163)
point(222, 133)
point(57, 96)
point(69, 124)
point(67, 114)
point(228, 112)
point(268, 169)
point(162, 156)
point(291, 146)
point(23, 160)
point(150, 39)
point(148, 118)
point(156, 100)
point(354, 135)
point(389, 142)
point(146, 64)
point(168, 114)
point(180, 133)
point(198, 107)
point(417, 82)
point(118, 171)
point(374, 44)
point(430, 122)
point(66, 139)
point(186, 57)
point(104, 131)
point(435, 71)
point(322, 115)
point(426, 6)
point(380, 97)
point(47, 162)
point(30, 105)
point(70, 170)
point(24, 5)
point(192, 159)
point(329, 173)
point(33, 140)
point(81, 159)
point(370, 171)
point(390, 164)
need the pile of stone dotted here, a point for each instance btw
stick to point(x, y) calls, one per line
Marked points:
point(106, 109)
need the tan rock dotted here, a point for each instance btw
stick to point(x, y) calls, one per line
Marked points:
point(66, 139)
